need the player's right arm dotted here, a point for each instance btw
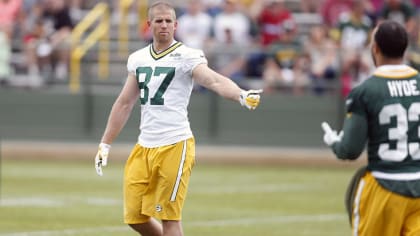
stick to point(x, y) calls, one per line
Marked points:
point(121, 109)
point(118, 117)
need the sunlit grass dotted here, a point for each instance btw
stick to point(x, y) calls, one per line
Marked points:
point(68, 198)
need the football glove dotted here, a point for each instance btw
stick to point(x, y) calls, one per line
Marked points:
point(101, 158)
point(250, 99)
point(330, 135)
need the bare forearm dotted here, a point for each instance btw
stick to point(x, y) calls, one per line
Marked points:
point(227, 89)
point(116, 121)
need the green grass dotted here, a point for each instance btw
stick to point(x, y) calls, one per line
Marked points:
point(68, 198)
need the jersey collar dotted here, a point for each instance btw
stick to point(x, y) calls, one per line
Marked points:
point(165, 52)
point(395, 71)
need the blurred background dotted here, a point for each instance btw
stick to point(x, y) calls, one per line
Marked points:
point(63, 62)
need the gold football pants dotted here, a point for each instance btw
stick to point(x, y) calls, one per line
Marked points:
point(156, 181)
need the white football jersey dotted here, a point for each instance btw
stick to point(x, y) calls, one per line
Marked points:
point(165, 83)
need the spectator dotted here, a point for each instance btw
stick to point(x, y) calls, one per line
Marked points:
point(76, 9)
point(402, 12)
point(371, 10)
point(323, 58)
point(33, 32)
point(58, 13)
point(194, 27)
point(235, 22)
point(213, 7)
point(272, 20)
point(254, 9)
point(4, 58)
point(332, 9)
point(377, 5)
point(231, 41)
point(48, 40)
point(284, 66)
point(354, 29)
point(311, 6)
point(10, 10)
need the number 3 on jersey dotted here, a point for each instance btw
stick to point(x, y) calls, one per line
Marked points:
point(144, 76)
point(399, 133)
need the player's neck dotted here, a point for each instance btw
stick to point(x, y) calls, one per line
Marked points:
point(161, 46)
point(389, 61)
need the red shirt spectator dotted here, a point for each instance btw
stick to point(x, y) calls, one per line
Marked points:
point(272, 21)
point(332, 9)
point(9, 12)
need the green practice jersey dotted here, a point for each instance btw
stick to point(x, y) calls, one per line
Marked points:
point(384, 111)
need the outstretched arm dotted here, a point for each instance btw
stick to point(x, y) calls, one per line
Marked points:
point(216, 82)
point(225, 87)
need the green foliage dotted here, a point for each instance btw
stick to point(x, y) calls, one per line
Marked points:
point(68, 198)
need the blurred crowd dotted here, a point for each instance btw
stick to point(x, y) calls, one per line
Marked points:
point(35, 39)
point(293, 46)
point(272, 42)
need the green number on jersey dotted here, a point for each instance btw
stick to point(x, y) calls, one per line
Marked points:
point(157, 99)
point(399, 133)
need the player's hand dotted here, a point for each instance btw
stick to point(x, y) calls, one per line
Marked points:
point(250, 99)
point(330, 135)
point(101, 157)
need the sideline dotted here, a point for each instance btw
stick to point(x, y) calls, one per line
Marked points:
point(204, 153)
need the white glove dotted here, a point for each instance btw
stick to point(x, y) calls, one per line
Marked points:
point(330, 135)
point(101, 157)
point(250, 99)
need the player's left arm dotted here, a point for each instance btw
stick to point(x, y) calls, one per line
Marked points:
point(350, 143)
point(225, 87)
point(216, 82)
point(121, 109)
point(353, 139)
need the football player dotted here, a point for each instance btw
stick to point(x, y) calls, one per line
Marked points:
point(384, 112)
point(158, 170)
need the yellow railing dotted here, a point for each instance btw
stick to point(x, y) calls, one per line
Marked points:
point(123, 34)
point(100, 34)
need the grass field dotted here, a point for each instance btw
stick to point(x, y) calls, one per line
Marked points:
point(68, 198)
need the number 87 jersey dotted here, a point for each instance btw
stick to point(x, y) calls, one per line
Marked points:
point(385, 111)
point(165, 83)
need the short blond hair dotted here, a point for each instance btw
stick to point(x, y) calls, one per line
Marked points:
point(162, 5)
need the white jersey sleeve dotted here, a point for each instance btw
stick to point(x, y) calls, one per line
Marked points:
point(165, 83)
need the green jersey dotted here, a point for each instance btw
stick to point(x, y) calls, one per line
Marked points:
point(384, 111)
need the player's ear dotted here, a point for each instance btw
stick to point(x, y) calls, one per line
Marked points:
point(374, 48)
